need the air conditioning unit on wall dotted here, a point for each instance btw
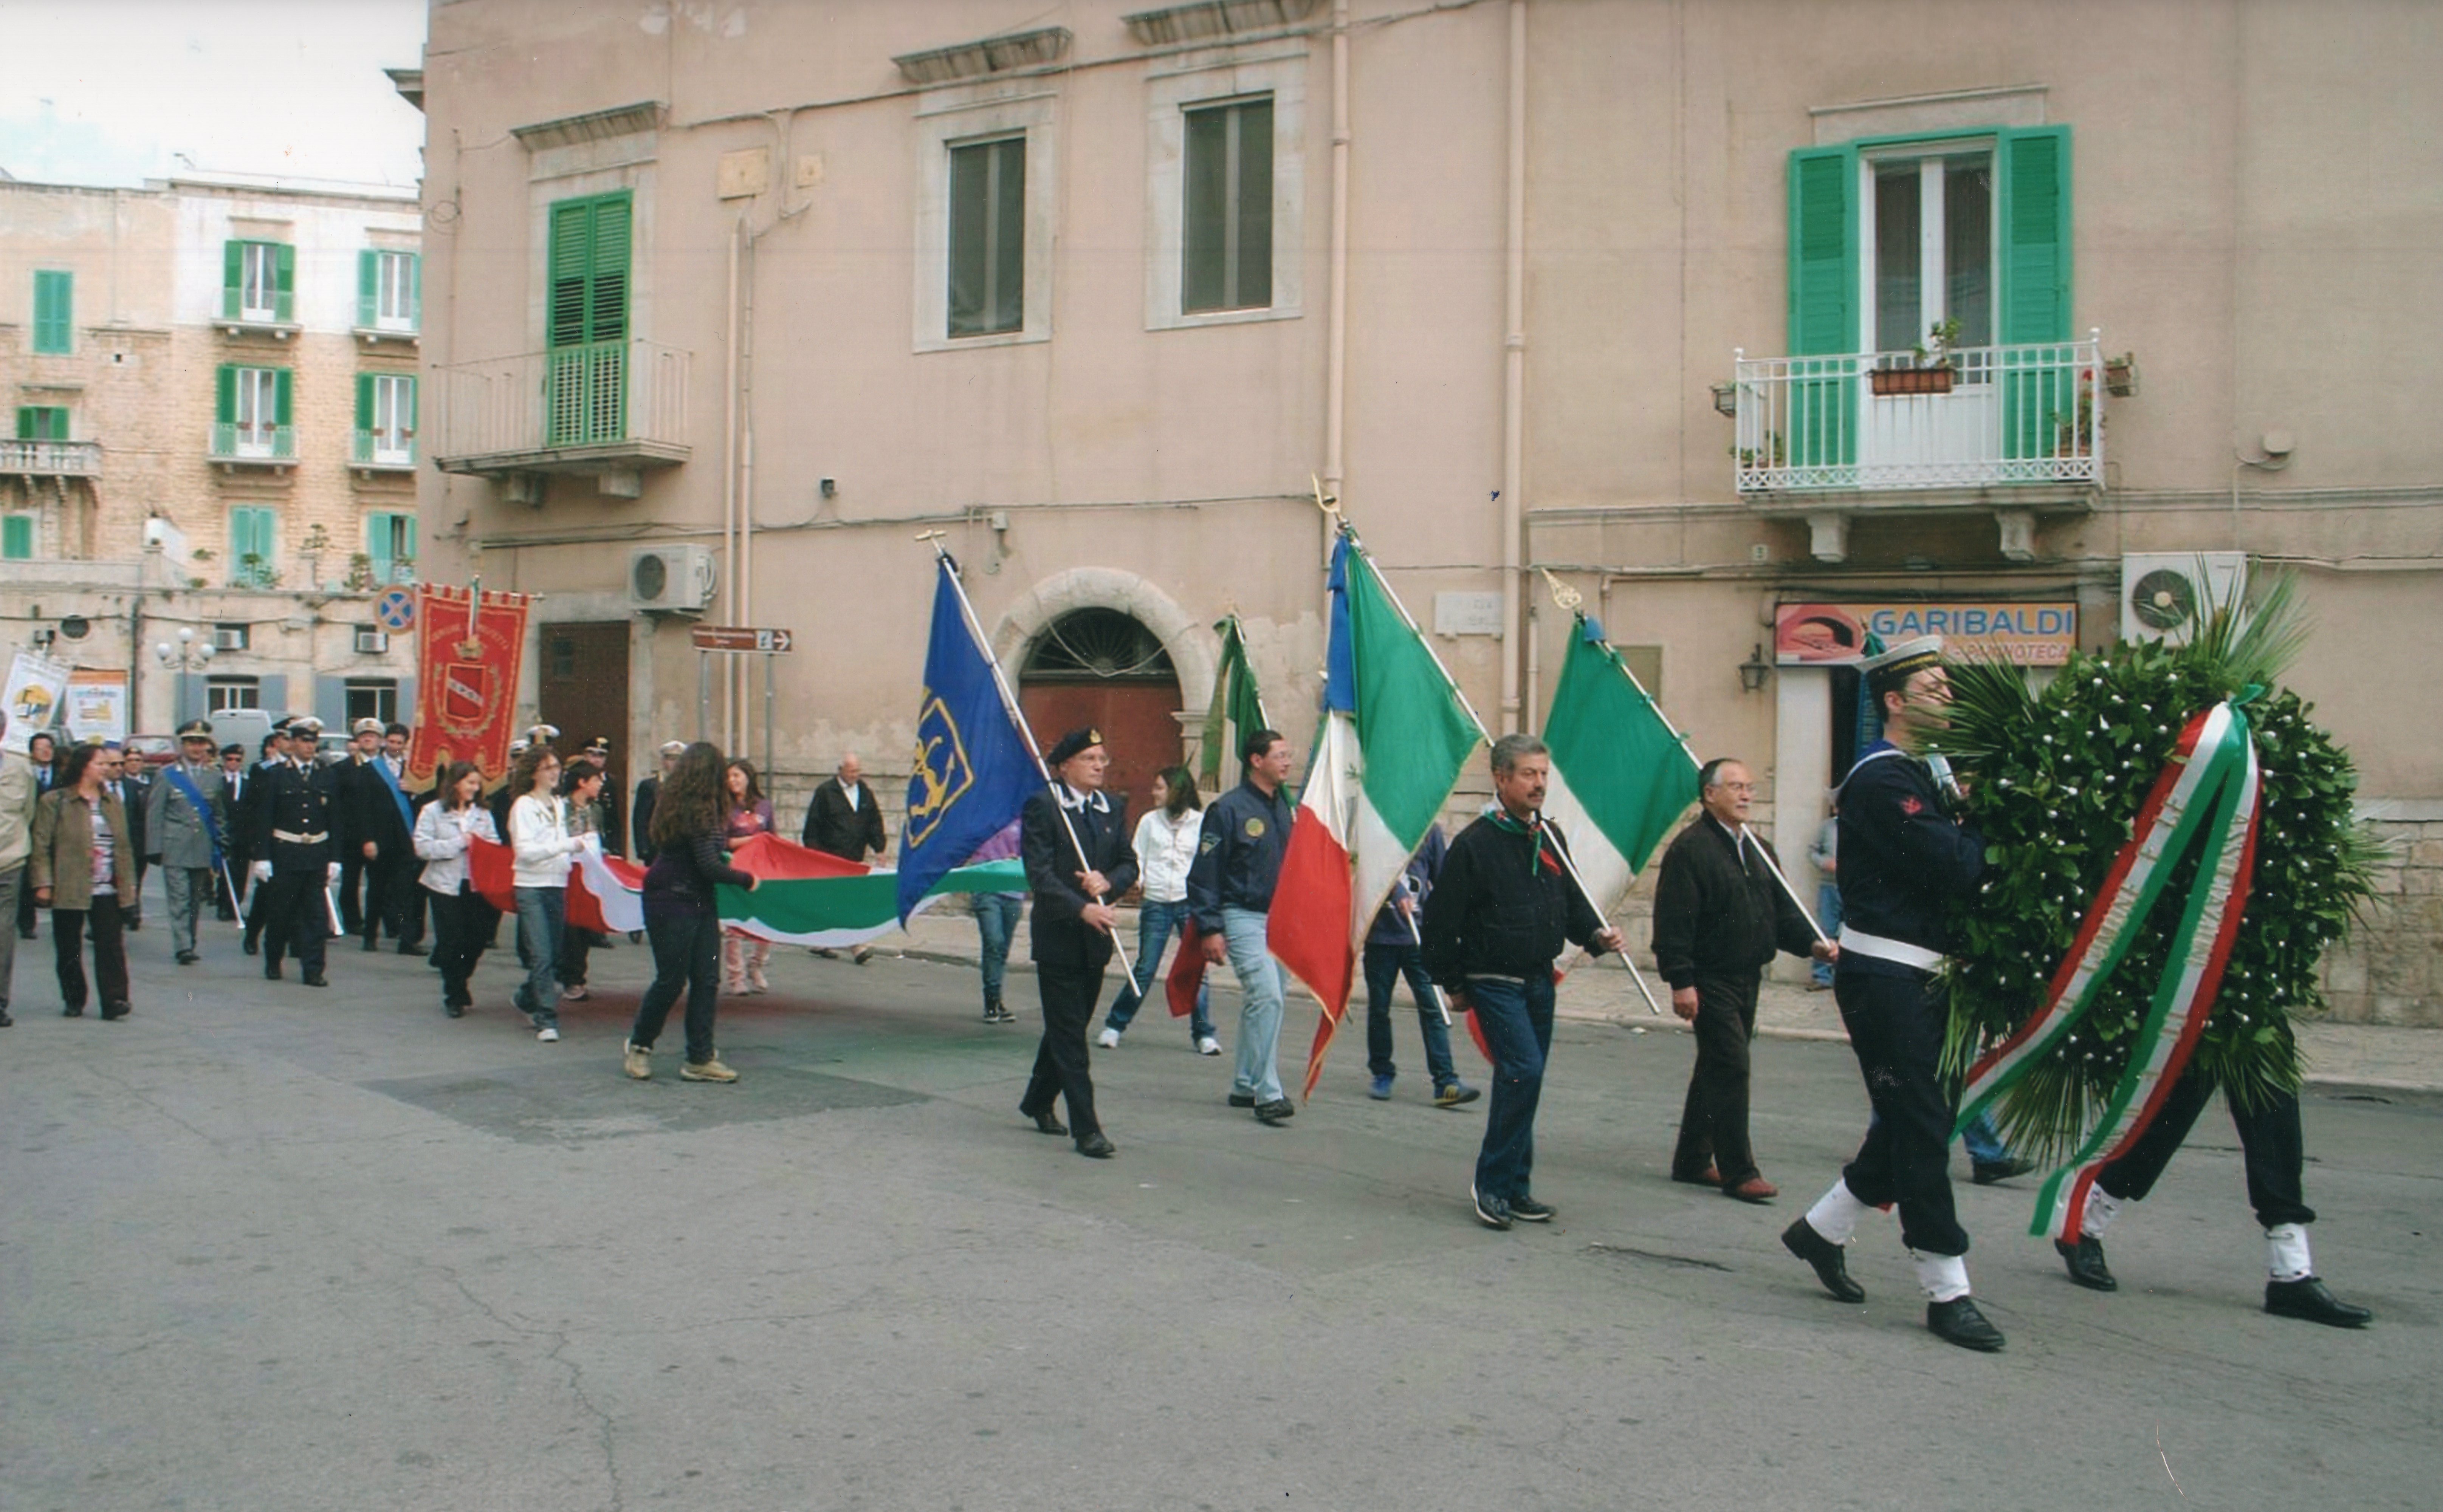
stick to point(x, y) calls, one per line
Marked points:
point(2169, 595)
point(671, 580)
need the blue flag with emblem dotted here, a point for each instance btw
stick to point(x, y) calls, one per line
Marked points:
point(973, 770)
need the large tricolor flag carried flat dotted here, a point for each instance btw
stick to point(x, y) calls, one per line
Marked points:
point(1621, 774)
point(1396, 735)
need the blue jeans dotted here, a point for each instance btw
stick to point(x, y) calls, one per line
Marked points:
point(1258, 1074)
point(1384, 966)
point(687, 953)
point(1827, 913)
point(543, 914)
point(995, 923)
point(1156, 923)
point(1517, 1018)
point(1984, 1141)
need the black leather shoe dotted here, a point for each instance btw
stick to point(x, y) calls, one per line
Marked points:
point(1279, 1110)
point(1240, 1100)
point(1957, 1322)
point(253, 944)
point(1095, 1147)
point(454, 1009)
point(1985, 1173)
point(187, 957)
point(76, 1011)
point(271, 971)
point(6, 1021)
point(2085, 1262)
point(410, 947)
point(371, 943)
point(2308, 1298)
point(116, 1011)
point(1045, 1122)
point(317, 979)
point(1831, 1266)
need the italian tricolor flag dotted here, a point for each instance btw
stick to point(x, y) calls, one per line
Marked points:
point(1395, 737)
point(1621, 774)
point(801, 898)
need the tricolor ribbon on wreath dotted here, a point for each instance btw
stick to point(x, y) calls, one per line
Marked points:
point(2207, 795)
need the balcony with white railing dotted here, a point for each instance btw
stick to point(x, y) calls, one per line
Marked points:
point(50, 459)
point(241, 444)
point(383, 450)
point(608, 409)
point(2016, 430)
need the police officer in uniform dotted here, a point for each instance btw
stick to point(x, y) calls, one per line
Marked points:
point(293, 850)
point(1904, 854)
point(185, 815)
point(1073, 840)
point(246, 822)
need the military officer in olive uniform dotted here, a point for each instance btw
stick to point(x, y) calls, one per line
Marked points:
point(186, 814)
point(294, 855)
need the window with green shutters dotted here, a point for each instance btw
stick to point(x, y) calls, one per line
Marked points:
point(987, 236)
point(250, 418)
point(259, 281)
point(1890, 236)
point(251, 555)
point(586, 372)
point(16, 536)
point(1226, 228)
point(385, 419)
point(389, 291)
point(54, 310)
point(42, 422)
point(389, 544)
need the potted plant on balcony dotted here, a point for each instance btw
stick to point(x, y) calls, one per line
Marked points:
point(2075, 433)
point(2121, 375)
point(1935, 365)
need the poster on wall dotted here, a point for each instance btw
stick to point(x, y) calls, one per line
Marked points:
point(36, 686)
point(97, 704)
point(2041, 634)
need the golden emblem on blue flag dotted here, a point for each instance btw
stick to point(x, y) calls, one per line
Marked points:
point(942, 774)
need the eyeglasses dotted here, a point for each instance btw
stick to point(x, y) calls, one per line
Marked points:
point(1738, 787)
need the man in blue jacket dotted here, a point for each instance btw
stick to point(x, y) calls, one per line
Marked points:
point(1230, 893)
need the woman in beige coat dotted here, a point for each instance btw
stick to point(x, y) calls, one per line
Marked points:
point(83, 856)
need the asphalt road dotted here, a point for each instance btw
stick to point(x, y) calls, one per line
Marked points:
point(264, 1248)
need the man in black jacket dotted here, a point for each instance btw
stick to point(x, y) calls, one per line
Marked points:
point(1493, 929)
point(843, 819)
point(372, 829)
point(640, 811)
point(1906, 855)
point(1718, 916)
point(1071, 927)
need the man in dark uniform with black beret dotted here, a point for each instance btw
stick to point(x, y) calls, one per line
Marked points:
point(1904, 856)
point(1074, 843)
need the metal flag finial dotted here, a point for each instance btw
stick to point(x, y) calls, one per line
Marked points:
point(1564, 596)
point(1329, 503)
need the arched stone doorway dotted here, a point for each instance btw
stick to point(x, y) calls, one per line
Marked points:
point(1102, 668)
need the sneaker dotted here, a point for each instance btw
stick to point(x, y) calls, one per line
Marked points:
point(1491, 1211)
point(1454, 1094)
point(1527, 1209)
point(711, 1070)
point(1238, 1099)
point(1208, 1046)
point(547, 1034)
point(1279, 1110)
point(575, 992)
point(757, 980)
point(1109, 1039)
point(1985, 1173)
point(861, 955)
point(638, 1061)
point(1379, 1090)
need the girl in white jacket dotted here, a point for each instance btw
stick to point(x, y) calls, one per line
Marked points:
point(541, 848)
point(461, 918)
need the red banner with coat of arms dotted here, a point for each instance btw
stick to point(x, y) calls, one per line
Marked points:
point(470, 647)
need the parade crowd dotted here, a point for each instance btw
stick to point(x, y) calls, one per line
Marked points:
point(305, 851)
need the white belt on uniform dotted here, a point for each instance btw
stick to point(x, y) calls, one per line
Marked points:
point(1891, 950)
point(299, 840)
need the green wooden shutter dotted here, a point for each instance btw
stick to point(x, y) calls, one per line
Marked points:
point(364, 401)
point(17, 537)
point(54, 309)
point(377, 539)
point(412, 402)
point(26, 423)
point(2039, 386)
point(225, 395)
point(280, 384)
point(285, 281)
point(415, 291)
point(232, 278)
point(368, 289)
point(588, 259)
point(1823, 411)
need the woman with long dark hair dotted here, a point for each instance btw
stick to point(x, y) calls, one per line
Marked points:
point(462, 922)
point(691, 857)
point(1165, 842)
point(540, 849)
point(750, 814)
point(80, 869)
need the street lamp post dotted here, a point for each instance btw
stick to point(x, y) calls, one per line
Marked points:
point(188, 655)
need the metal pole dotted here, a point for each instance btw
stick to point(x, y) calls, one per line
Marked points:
point(1418, 939)
point(767, 716)
point(1634, 975)
point(1018, 716)
point(1773, 867)
point(703, 693)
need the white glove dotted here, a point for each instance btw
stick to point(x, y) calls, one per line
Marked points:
point(260, 871)
point(334, 876)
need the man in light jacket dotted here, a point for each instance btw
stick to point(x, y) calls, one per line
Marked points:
point(186, 813)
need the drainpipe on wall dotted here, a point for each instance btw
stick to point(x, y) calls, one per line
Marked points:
point(1335, 380)
point(1514, 367)
point(729, 484)
point(742, 675)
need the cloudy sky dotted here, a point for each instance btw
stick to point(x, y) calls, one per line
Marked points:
point(113, 91)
